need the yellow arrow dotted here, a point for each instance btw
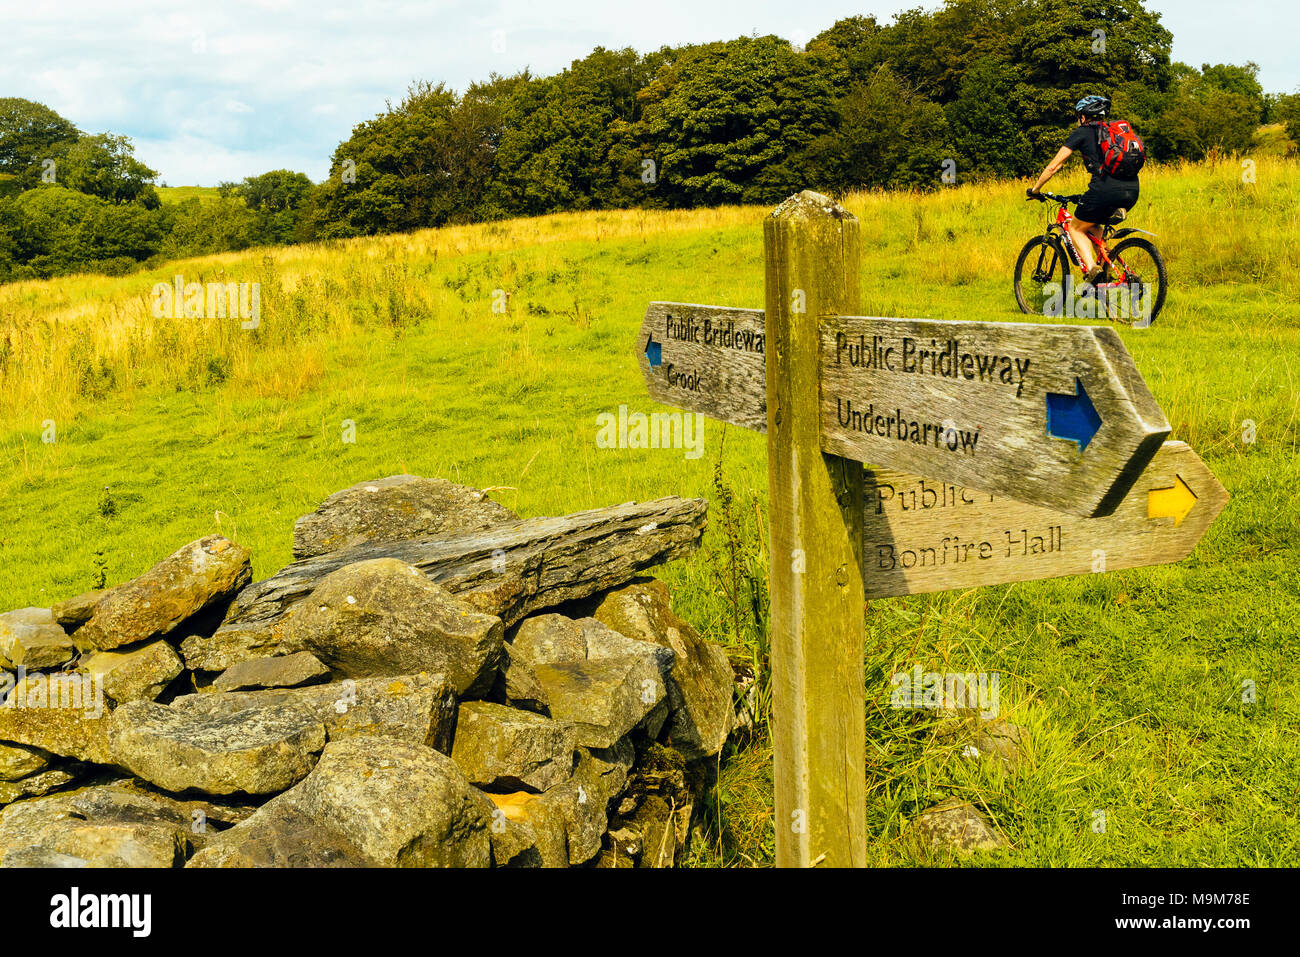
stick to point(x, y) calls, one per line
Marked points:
point(1173, 502)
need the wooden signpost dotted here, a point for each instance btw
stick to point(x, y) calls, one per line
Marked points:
point(1059, 414)
point(1000, 452)
point(923, 535)
point(707, 359)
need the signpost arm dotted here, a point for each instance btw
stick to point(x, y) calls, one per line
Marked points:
point(812, 255)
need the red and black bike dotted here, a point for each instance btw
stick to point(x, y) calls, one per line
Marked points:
point(1132, 287)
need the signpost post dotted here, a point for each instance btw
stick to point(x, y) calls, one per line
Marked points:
point(1002, 452)
point(815, 585)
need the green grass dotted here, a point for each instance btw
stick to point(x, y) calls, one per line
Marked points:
point(1272, 140)
point(177, 194)
point(1130, 683)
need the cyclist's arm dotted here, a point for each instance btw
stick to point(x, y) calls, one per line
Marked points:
point(1052, 168)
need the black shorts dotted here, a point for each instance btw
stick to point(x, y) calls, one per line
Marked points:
point(1101, 202)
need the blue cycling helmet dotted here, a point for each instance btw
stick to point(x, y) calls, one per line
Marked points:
point(1093, 105)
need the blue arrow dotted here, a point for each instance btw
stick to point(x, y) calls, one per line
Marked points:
point(1072, 417)
point(654, 351)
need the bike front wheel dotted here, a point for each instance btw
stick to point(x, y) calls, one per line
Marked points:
point(1139, 266)
point(1041, 263)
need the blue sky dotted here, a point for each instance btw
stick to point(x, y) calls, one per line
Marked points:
point(213, 92)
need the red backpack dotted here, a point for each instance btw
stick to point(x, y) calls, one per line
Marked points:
point(1122, 150)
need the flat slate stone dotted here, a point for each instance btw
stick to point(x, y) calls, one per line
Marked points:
point(256, 751)
point(105, 826)
point(285, 671)
point(419, 709)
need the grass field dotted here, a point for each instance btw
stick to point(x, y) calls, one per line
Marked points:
point(1129, 683)
point(176, 194)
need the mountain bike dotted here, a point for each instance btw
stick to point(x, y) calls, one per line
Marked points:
point(1131, 287)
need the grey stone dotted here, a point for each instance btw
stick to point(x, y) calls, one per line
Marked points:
point(65, 714)
point(547, 639)
point(41, 857)
point(1002, 740)
point(514, 840)
point(105, 826)
point(35, 785)
point(286, 671)
point(396, 804)
point(31, 637)
point(418, 709)
point(973, 737)
point(231, 645)
point(956, 825)
point(602, 699)
point(501, 747)
point(74, 612)
point(383, 617)
point(393, 509)
point(554, 639)
point(199, 577)
point(256, 751)
point(701, 682)
point(280, 834)
point(18, 761)
point(136, 674)
point(569, 820)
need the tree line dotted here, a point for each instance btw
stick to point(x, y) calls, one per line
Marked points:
point(971, 90)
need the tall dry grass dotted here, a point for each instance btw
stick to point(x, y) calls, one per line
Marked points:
point(70, 342)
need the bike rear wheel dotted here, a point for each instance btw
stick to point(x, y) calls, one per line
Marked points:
point(1041, 262)
point(1139, 266)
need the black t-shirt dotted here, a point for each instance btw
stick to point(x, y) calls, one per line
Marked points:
point(1083, 139)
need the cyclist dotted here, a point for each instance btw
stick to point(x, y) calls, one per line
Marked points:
point(1107, 200)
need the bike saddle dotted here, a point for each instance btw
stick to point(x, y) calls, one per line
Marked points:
point(1117, 217)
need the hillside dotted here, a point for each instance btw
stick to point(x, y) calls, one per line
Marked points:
point(1129, 682)
point(177, 194)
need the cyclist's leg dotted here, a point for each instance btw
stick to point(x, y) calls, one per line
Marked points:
point(1079, 230)
point(1098, 232)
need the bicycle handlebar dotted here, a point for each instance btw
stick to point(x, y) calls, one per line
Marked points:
point(1043, 197)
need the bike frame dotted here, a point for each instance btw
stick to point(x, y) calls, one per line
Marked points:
point(1060, 228)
